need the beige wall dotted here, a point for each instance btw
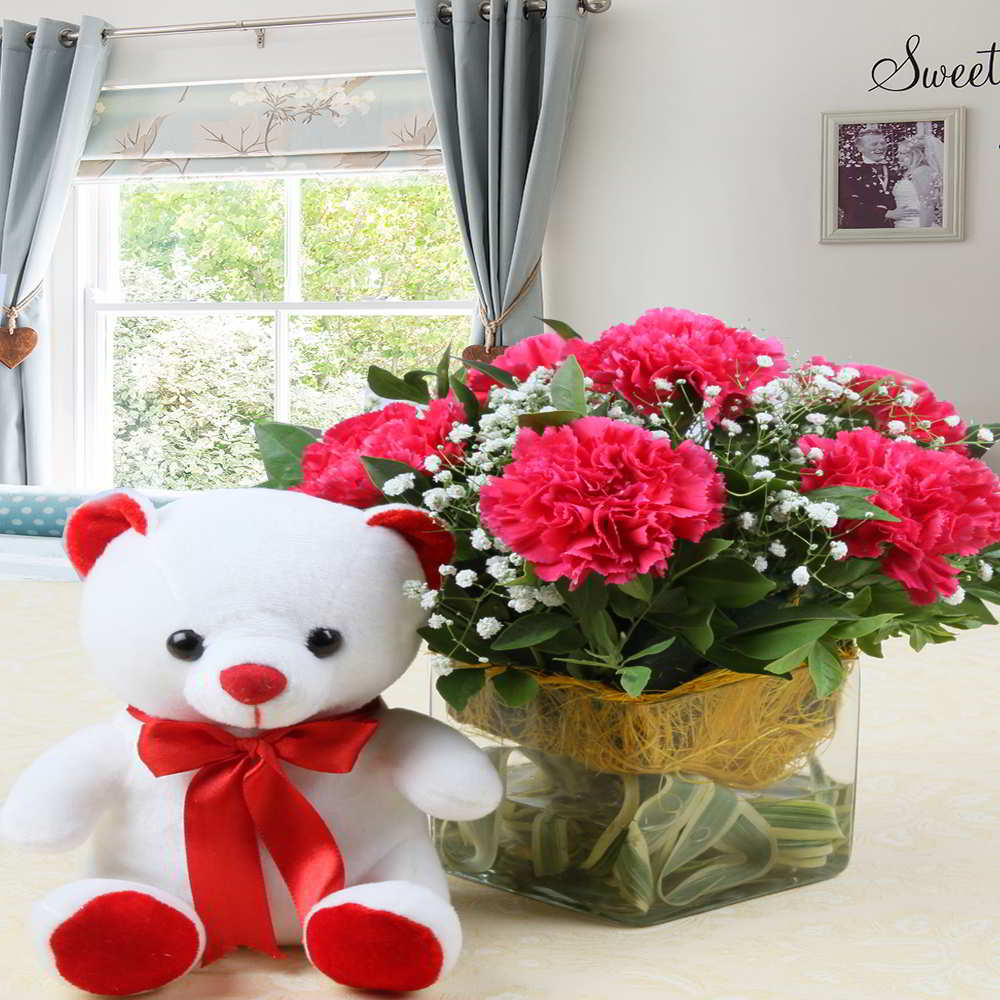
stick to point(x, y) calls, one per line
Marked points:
point(692, 178)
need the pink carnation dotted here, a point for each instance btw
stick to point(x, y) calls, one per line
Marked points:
point(947, 503)
point(885, 406)
point(601, 496)
point(332, 469)
point(672, 344)
point(547, 350)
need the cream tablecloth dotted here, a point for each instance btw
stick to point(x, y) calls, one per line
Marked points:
point(917, 913)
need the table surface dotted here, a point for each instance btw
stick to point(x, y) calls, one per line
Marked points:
point(916, 914)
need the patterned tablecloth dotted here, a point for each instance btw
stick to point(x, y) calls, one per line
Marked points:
point(916, 915)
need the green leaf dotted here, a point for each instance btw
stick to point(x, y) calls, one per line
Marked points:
point(588, 599)
point(563, 329)
point(388, 386)
point(657, 647)
point(728, 582)
point(497, 374)
point(547, 418)
point(460, 685)
point(381, 470)
point(861, 627)
point(443, 367)
point(791, 660)
point(826, 670)
point(772, 643)
point(693, 624)
point(641, 588)
point(568, 390)
point(852, 502)
point(600, 630)
point(624, 606)
point(634, 679)
point(467, 398)
point(690, 555)
point(515, 687)
point(531, 629)
point(281, 447)
point(768, 616)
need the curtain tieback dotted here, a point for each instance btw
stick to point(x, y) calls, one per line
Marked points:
point(490, 326)
point(13, 311)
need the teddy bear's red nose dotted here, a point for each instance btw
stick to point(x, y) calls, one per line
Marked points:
point(252, 683)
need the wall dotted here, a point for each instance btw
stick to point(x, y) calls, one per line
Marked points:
point(692, 178)
point(692, 171)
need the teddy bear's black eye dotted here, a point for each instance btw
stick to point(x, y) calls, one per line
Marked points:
point(185, 644)
point(324, 641)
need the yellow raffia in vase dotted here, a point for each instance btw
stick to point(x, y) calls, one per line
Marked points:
point(744, 731)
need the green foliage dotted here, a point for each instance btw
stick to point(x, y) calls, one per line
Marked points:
point(568, 391)
point(460, 685)
point(281, 447)
point(188, 389)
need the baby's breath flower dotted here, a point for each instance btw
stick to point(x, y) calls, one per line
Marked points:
point(432, 463)
point(456, 492)
point(766, 474)
point(414, 589)
point(436, 499)
point(953, 420)
point(765, 361)
point(480, 540)
point(847, 374)
point(955, 598)
point(522, 604)
point(907, 398)
point(815, 454)
point(800, 576)
point(747, 520)
point(429, 599)
point(760, 564)
point(711, 391)
point(826, 514)
point(778, 549)
point(399, 484)
point(441, 665)
point(465, 578)
point(816, 418)
point(985, 571)
point(549, 596)
point(488, 627)
point(438, 621)
point(761, 461)
point(984, 435)
point(838, 551)
point(444, 477)
point(896, 427)
point(460, 432)
point(446, 569)
point(731, 427)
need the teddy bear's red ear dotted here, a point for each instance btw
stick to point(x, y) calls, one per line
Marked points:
point(95, 524)
point(431, 540)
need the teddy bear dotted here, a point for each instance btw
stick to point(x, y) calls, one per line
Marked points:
point(256, 791)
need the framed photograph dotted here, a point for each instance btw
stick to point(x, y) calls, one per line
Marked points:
point(893, 175)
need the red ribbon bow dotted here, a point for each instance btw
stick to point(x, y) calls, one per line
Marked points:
point(240, 793)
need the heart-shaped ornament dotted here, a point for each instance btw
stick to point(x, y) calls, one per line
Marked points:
point(16, 344)
point(476, 352)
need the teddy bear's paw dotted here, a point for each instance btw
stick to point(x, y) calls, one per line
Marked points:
point(393, 936)
point(116, 938)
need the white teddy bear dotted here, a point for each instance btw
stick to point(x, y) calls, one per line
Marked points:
point(256, 792)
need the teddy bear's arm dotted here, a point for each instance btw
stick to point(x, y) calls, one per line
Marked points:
point(57, 800)
point(435, 767)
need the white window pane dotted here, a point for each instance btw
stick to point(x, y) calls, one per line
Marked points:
point(202, 241)
point(330, 356)
point(187, 391)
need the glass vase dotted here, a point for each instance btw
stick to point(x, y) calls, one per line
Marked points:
point(644, 811)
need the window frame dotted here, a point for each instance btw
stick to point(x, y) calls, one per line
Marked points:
point(99, 302)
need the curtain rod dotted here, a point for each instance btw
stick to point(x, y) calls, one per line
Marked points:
point(69, 37)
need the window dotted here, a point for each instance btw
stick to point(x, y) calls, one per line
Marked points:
point(212, 304)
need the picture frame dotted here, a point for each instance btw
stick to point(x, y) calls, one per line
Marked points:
point(893, 176)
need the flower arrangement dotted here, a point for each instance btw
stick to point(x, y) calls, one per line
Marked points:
point(671, 543)
point(672, 498)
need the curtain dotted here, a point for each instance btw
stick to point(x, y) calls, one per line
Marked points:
point(289, 126)
point(502, 91)
point(48, 93)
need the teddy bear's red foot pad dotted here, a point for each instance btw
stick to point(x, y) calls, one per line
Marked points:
point(121, 943)
point(373, 949)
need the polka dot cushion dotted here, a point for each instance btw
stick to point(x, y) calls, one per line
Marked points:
point(31, 510)
point(31, 513)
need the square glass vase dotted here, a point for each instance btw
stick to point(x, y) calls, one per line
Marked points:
point(646, 810)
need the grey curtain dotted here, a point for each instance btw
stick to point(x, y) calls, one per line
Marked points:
point(48, 92)
point(502, 91)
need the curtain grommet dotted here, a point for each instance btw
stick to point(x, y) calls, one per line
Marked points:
point(444, 13)
point(594, 6)
point(535, 7)
point(67, 38)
